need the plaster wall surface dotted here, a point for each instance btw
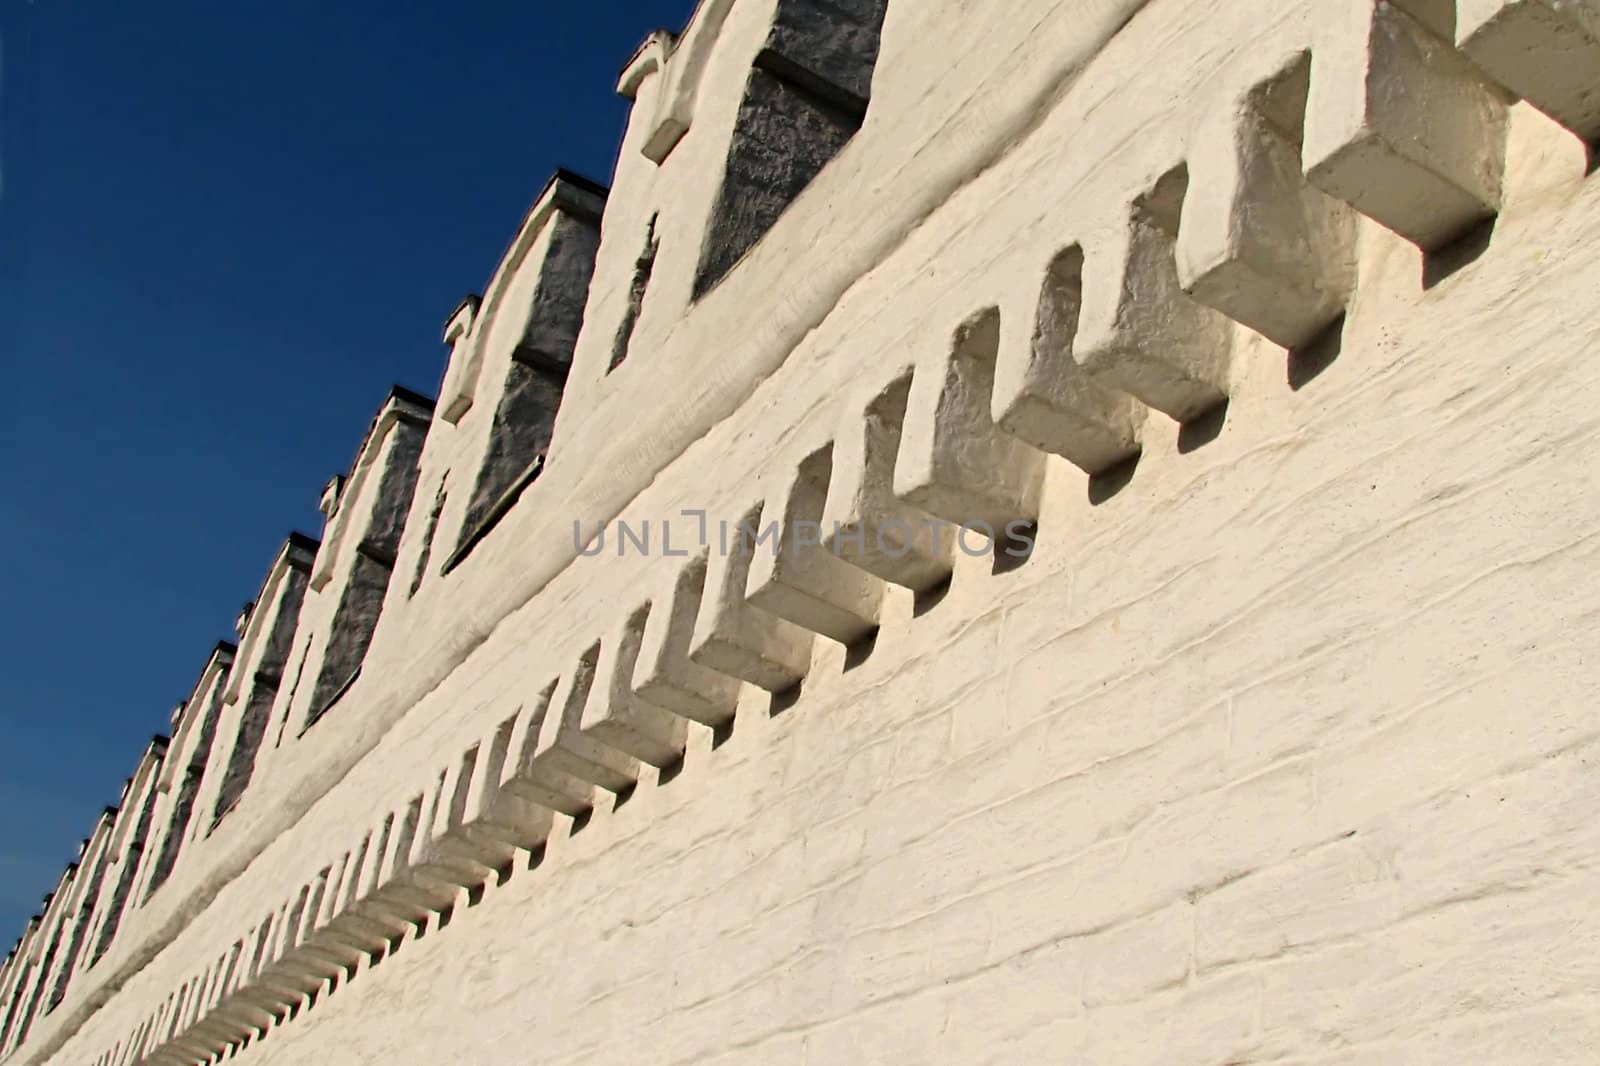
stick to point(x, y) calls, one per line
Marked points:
point(1280, 746)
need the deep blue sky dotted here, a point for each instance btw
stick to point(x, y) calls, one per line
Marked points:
point(225, 229)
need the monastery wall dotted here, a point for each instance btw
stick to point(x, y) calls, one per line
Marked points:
point(1262, 326)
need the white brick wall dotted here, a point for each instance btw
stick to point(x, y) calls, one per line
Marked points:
point(1281, 751)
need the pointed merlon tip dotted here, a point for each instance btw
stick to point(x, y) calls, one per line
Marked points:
point(459, 324)
point(573, 178)
point(328, 502)
point(411, 396)
point(661, 41)
point(470, 302)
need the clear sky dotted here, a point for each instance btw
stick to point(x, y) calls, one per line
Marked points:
point(226, 228)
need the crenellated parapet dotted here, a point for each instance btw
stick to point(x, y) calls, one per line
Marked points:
point(353, 569)
point(129, 844)
point(266, 632)
point(823, 298)
point(510, 357)
point(194, 734)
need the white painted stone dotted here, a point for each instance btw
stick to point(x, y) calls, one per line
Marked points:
point(538, 780)
point(664, 673)
point(1401, 126)
point(803, 581)
point(733, 636)
point(615, 715)
point(1256, 241)
point(865, 523)
point(1042, 395)
point(1138, 331)
point(1313, 691)
point(954, 463)
point(563, 748)
point(1545, 51)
